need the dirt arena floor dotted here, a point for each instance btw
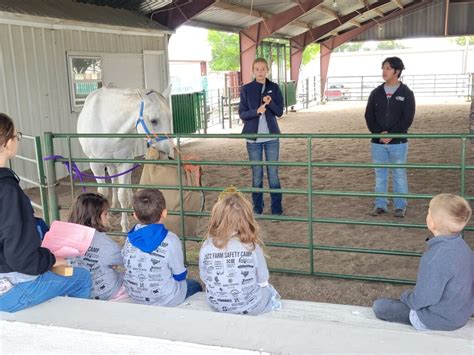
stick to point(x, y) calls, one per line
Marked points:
point(340, 118)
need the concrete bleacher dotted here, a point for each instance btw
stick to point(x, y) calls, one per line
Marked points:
point(88, 326)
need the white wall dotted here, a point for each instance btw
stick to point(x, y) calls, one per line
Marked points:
point(444, 61)
point(34, 87)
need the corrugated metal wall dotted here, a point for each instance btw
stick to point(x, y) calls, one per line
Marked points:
point(34, 88)
point(426, 22)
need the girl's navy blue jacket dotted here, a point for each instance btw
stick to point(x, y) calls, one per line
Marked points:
point(20, 243)
point(251, 99)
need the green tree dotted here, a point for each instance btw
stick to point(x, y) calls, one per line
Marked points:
point(225, 50)
point(383, 45)
point(310, 53)
point(461, 41)
point(349, 47)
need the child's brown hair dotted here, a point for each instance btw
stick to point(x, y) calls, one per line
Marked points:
point(87, 210)
point(451, 212)
point(149, 205)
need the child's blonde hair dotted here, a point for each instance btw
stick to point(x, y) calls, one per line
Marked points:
point(451, 212)
point(232, 216)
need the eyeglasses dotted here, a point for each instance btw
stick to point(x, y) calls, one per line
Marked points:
point(18, 136)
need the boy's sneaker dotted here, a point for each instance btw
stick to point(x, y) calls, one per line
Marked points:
point(377, 211)
point(400, 212)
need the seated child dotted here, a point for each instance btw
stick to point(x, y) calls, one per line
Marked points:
point(153, 257)
point(91, 210)
point(231, 261)
point(26, 278)
point(443, 295)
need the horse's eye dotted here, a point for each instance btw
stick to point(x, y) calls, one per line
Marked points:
point(154, 122)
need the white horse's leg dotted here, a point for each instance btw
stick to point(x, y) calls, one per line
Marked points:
point(112, 169)
point(98, 169)
point(124, 193)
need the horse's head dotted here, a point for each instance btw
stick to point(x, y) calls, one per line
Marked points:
point(157, 119)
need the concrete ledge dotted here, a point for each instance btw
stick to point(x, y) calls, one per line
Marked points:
point(68, 324)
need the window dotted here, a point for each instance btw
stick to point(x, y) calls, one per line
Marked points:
point(85, 76)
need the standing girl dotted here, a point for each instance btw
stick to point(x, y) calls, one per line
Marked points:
point(261, 103)
point(25, 276)
point(231, 261)
point(91, 210)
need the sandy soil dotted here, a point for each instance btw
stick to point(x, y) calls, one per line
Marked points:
point(340, 118)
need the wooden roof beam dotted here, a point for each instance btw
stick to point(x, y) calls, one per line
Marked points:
point(329, 12)
point(179, 12)
point(225, 5)
point(398, 3)
point(379, 12)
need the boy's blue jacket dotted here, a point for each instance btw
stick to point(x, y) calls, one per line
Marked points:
point(148, 238)
point(20, 244)
point(251, 99)
point(443, 296)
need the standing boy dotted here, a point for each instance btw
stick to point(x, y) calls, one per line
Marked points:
point(153, 258)
point(390, 109)
point(443, 297)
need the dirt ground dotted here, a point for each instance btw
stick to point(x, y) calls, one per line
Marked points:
point(339, 118)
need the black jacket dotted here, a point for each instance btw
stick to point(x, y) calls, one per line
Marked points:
point(394, 115)
point(20, 249)
point(251, 99)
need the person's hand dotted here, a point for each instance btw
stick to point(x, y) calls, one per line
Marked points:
point(60, 261)
point(385, 140)
point(262, 109)
point(267, 99)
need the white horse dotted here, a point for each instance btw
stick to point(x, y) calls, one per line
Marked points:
point(113, 110)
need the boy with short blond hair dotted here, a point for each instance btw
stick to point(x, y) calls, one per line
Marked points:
point(443, 295)
point(153, 257)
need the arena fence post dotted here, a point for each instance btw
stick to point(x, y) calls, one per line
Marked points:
point(463, 166)
point(310, 205)
point(181, 198)
point(43, 188)
point(51, 174)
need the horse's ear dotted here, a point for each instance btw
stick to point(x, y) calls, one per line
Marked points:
point(167, 92)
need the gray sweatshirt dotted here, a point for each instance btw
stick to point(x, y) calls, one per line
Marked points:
point(103, 253)
point(443, 295)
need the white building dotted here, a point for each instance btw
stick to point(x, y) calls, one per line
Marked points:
point(53, 53)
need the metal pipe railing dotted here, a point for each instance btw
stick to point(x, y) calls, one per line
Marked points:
point(308, 191)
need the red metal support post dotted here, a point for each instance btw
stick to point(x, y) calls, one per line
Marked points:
point(250, 37)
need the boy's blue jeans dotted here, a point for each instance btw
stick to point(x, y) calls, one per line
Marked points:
point(45, 287)
point(272, 151)
point(390, 154)
point(392, 310)
point(193, 287)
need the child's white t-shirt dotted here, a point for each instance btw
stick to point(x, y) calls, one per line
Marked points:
point(236, 277)
point(149, 276)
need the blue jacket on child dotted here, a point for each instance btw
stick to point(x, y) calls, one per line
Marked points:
point(251, 99)
point(443, 296)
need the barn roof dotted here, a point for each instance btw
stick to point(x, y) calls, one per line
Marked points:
point(71, 11)
point(434, 18)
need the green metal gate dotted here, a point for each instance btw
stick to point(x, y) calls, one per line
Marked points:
point(188, 112)
point(309, 163)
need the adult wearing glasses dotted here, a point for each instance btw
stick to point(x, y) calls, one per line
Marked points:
point(25, 276)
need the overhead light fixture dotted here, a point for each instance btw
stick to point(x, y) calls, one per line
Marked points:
point(334, 3)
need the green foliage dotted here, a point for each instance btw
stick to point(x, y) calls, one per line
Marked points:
point(349, 47)
point(225, 50)
point(461, 41)
point(310, 53)
point(383, 45)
